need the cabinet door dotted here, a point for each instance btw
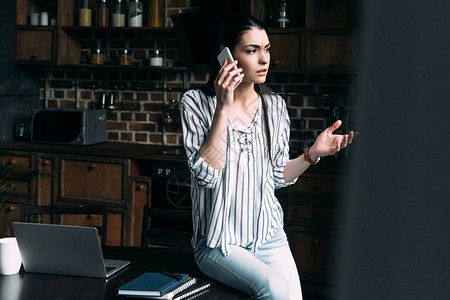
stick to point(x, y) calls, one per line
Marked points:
point(114, 234)
point(35, 45)
point(93, 180)
point(332, 50)
point(285, 51)
point(140, 196)
point(313, 251)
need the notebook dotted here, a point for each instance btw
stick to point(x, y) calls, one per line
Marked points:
point(63, 250)
point(152, 284)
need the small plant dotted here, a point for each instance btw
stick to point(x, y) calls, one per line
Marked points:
point(9, 174)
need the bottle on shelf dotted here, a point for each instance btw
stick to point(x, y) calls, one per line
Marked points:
point(118, 13)
point(85, 13)
point(135, 9)
point(155, 13)
point(102, 16)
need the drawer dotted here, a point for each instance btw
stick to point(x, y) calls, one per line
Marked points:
point(315, 185)
point(93, 180)
point(21, 161)
point(310, 213)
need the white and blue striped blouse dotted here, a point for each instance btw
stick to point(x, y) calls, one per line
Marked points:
point(236, 205)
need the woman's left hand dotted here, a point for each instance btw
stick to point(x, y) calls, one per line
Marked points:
point(328, 143)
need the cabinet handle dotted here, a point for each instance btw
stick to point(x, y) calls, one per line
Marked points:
point(13, 161)
point(45, 162)
point(92, 167)
point(140, 187)
point(275, 62)
point(316, 242)
point(10, 209)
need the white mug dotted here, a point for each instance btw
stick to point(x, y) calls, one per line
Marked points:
point(10, 258)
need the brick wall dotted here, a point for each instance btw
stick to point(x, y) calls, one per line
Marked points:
point(143, 94)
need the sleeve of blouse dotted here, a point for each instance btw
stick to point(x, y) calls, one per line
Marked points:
point(281, 145)
point(193, 122)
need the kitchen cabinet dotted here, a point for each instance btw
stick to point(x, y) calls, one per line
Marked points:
point(106, 174)
point(311, 207)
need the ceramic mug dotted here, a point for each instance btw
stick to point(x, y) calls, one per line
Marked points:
point(10, 258)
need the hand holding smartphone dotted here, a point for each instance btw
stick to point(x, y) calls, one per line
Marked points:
point(226, 53)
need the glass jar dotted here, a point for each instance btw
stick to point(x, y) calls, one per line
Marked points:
point(156, 13)
point(102, 19)
point(118, 14)
point(135, 13)
point(97, 56)
point(156, 59)
point(125, 58)
point(85, 13)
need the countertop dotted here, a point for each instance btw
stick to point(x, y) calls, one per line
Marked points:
point(108, 149)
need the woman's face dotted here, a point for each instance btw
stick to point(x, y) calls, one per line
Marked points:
point(252, 53)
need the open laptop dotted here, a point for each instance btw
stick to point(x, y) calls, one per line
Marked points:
point(63, 250)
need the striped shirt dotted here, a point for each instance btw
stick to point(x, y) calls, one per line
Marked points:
point(236, 205)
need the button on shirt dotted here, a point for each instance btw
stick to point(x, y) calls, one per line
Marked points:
point(236, 205)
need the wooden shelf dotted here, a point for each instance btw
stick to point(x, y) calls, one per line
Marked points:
point(90, 67)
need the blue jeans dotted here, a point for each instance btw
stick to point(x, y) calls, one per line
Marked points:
point(268, 273)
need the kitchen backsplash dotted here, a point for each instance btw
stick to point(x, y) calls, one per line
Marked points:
point(314, 100)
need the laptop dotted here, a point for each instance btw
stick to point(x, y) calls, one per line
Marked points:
point(64, 250)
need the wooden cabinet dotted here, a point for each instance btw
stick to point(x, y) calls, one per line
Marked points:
point(74, 177)
point(35, 45)
point(93, 180)
point(311, 207)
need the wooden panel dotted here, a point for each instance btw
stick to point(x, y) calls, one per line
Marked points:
point(285, 51)
point(92, 180)
point(31, 48)
point(45, 184)
point(338, 51)
point(140, 196)
point(114, 234)
point(23, 162)
point(9, 213)
point(312, 251)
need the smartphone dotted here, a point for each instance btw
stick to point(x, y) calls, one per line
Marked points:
point(226, 53)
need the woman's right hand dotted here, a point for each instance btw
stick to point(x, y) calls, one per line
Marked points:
point(226, 82)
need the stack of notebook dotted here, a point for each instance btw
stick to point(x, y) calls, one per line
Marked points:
point(163, 285)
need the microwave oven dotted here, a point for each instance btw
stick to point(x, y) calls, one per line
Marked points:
point(64, 126)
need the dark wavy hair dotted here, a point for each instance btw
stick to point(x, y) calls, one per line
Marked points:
point(229, 34)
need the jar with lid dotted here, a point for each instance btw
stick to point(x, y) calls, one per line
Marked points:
point(135, 9)
point(102, 17)
point(125, 58)
point(85, 13)
point(97, 56)
point(156, 59)
point(118, 13)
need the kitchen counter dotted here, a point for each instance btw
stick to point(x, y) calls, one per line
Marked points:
point(108, 149)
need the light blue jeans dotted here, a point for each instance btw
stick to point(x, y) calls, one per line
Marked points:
point(268, 273)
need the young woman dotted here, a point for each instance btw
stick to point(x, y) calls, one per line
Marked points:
point(236, 138)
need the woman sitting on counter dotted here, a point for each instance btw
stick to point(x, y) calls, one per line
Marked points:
point(236, 135)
